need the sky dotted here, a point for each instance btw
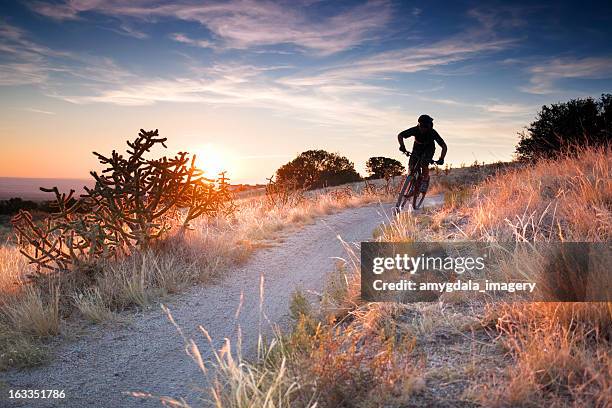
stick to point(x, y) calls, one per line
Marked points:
point(248, 85)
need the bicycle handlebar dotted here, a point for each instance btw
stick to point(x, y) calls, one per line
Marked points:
point(408, 154)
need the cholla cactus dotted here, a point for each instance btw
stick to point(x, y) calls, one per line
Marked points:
point(135, 201)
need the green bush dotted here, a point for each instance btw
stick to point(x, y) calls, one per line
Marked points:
point(572, 124)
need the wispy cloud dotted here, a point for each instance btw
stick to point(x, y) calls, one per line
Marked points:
point(248, 87)
point(495, 107)
point(544, 76)
point(183, 38)
point(497, 16)
point(130, 31)
point(25, 61)
point(247, 23)
point(21, 74)
point(60, 11)
point(416, 58)
point(44, 112)
point(510, 108)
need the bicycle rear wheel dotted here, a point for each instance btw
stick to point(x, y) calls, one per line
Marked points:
point(417, 200)
point(419, 196)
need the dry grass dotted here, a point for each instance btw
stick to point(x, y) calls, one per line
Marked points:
point(185, 259)
point(321, 363)
point(24, 316)
point(342, 354)
point(564, 200)
point(560, 353)
point(354, 354)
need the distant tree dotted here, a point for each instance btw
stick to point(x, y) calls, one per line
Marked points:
point(315, 169)
point(578, 122)
point(13, 205)
point(381, 167)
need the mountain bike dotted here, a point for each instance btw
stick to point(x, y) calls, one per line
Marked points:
point(411, 187)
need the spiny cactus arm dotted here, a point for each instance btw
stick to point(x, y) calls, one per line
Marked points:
point(169, 178)
point(137, 197)
point(71, 247)
point(206, 199)
point(143, 144)
point(180, 193)
point(41, 261)
point(110, 219)
point(61, 200)
point(33, 235)
point(192, 205)
point(157, 191)
point(50, 252)
point(102, 194)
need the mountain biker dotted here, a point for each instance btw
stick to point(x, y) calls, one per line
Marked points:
point(424, 148)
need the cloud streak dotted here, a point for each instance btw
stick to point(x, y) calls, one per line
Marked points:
point(544, 76)
point(246, 23)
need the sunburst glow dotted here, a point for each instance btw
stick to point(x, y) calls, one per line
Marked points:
point(213, 160)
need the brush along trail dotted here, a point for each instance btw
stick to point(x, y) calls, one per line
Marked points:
point(104, 366)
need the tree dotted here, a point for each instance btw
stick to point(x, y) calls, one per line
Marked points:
point(578, 122)
point(382, 167)
point(317, 168)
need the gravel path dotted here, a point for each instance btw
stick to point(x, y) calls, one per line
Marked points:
point(149, 355)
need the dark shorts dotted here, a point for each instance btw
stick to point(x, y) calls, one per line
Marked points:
point(421, 153)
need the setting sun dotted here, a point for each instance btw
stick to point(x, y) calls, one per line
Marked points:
point(213, 160)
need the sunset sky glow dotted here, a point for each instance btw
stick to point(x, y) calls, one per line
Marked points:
point(251, 84)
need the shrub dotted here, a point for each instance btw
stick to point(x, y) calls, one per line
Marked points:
point(578, 122)
point(317, 168)
point(384, 167)
point(135, 201)
point(286, 193)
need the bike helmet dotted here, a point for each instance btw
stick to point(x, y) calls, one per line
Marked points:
point(426, 119)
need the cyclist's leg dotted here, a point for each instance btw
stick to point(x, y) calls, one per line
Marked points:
point(428, 154)
point(424, 185)
point(413, 164)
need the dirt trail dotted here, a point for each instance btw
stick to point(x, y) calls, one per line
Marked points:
point(149, 356)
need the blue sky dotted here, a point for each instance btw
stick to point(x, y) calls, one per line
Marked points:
point(251, 84)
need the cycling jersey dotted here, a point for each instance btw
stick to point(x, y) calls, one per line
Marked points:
point(427, 138)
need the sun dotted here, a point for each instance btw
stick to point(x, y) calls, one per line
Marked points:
point(212, 160)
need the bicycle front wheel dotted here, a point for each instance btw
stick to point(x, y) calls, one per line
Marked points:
point(405, 192)
point(410, 191)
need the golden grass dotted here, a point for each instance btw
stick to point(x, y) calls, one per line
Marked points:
point(561, 355)
point(34, 315)
point(179, 261)
point(555, 200)
point(344, 354)
point(560, 352)
point(319, 364)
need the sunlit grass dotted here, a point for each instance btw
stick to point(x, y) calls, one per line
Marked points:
point(560, 351)
point(139, 280)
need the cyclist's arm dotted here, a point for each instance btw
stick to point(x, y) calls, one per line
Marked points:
point(404, 135)
point(442, 144)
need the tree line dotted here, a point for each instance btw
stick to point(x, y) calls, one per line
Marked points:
point(559, 127)
point(318, 168)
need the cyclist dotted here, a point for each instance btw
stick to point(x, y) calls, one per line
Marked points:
point(424, 148)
